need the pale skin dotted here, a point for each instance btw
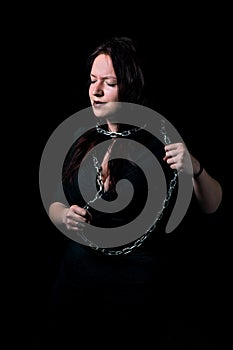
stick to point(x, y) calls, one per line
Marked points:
point(103, 93)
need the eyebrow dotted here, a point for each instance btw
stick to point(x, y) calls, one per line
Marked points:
point(106, 77)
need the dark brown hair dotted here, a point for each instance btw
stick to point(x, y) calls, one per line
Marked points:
point(130, 80)
point(126, 65)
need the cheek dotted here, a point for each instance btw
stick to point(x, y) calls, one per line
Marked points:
point(114, 95)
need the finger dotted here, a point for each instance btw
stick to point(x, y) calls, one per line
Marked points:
point(170, 147)
point(75, 225)
point(79, 211)
point(167, 156)
point(172, 153)
point(80, 224)
point(82, 214)
point(171, 160)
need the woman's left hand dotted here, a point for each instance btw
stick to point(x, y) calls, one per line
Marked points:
point(178, 157)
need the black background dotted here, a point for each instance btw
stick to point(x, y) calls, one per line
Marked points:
point(185, 60)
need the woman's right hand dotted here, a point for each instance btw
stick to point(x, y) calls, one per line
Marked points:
point(75, 218)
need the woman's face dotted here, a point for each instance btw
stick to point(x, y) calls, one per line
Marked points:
point(103, 90)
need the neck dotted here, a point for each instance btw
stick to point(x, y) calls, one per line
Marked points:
point(112, 126)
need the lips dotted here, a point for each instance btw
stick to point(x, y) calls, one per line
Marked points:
point(98, 103)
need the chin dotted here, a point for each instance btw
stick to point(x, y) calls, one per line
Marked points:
point(98, 114)
point(106, 111)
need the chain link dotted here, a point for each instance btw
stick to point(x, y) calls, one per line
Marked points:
point(99, 181)
point(114, 134)
point(100, 192)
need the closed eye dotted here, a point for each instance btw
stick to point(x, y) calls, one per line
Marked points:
point(112, 85)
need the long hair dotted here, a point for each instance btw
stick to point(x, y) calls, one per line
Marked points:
point(130, 80)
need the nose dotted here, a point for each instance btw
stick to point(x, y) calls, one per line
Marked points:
point(97, 89)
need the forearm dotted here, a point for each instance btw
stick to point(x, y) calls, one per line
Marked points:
point(208, 192)
point(57, 212)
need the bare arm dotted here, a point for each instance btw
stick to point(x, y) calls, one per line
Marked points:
point(208, 190)
point(73, 218)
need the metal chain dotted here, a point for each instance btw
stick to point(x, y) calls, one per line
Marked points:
point(100, 192)
point(100, 183)
point(116, 134)
point(96, 163)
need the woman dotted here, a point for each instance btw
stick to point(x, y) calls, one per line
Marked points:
point(123, 280)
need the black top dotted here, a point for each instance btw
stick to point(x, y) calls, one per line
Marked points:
point(90, 282)
point(137, 159)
